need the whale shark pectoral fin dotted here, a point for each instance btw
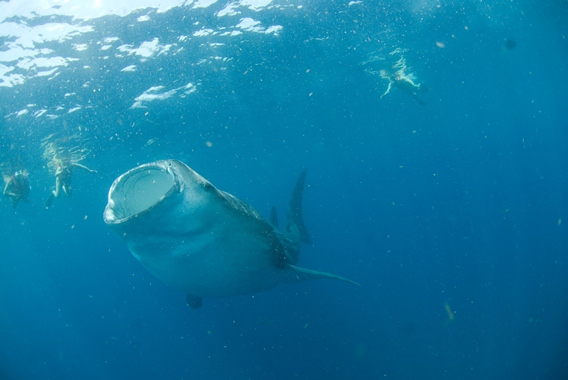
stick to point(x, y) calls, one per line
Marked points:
point(193, 301)
point(300, 274)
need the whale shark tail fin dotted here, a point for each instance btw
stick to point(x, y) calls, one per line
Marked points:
point(300, 274)
point(274, 217)
point(295, 220)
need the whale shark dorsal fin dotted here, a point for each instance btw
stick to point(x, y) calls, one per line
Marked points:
point(300, 274)
point(295, 210)
point(274, 217)
point(193, 301)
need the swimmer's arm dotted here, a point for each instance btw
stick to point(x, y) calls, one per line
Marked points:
point(83, 167)
point(9, 184)
point(8, 192)
point(388, 90)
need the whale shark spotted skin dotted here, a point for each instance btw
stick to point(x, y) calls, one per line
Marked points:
point(201, 240)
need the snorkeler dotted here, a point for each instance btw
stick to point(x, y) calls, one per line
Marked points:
point(393, 68)
point(63, 174)
point(404, 83)
point(17, 187)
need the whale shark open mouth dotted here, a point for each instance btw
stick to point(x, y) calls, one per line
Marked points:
point(138, 191)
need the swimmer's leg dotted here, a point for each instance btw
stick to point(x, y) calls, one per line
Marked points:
point(67, 189)
point(387, 91)
point(57, 190)
point(54, 193)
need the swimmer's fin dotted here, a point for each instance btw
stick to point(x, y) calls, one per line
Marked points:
point(49, 200)
point(193, 301)
point(420, 101)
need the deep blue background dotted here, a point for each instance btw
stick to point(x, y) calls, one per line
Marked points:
point(462, 202)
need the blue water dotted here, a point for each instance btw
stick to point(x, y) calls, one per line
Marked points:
point(452, 215)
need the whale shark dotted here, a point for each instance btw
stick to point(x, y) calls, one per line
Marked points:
point(202, 240)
